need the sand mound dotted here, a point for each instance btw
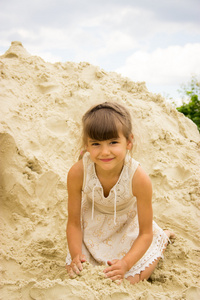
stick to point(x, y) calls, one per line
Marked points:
point(41, 109)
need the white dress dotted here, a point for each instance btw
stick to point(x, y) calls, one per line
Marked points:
point(110, 224)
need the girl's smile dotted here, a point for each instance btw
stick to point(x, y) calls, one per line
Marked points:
point(106, 159)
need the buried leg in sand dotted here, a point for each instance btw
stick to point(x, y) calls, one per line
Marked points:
point(149, 270)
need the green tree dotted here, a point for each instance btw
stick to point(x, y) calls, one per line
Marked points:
point(191, 108)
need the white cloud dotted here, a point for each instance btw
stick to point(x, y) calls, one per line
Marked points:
point(174, 64)
point(48, 56)
point(116, 42)
point(161, 37)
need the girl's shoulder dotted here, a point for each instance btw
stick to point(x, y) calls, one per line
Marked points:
point(76, 172)
point(131, 166)
point(141, 181)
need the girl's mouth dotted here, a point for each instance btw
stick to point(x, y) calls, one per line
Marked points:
point(106, 159)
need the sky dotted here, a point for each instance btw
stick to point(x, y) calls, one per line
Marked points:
point(154, 41)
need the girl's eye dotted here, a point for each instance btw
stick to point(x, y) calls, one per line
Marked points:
point(114, 142)
point(95, 144)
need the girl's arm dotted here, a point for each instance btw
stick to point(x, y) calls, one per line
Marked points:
point(142, 190)
point(74, 232)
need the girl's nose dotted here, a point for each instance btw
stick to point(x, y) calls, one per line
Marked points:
point(105, 150)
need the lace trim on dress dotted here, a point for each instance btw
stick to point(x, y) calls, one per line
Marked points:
point(153, 253)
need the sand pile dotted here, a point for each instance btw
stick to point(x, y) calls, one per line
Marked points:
point(41, 109)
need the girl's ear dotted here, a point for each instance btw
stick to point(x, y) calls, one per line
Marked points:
point(82, 153)
point(130, 142)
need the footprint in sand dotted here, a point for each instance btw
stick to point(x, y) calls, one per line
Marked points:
point(58, 292)
point(192, 293)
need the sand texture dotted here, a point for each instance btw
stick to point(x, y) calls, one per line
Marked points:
point(40, 130)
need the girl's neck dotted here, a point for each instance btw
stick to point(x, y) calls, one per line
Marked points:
point(109, 173)
point(108, 179)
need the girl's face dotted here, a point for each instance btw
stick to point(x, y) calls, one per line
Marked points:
point(109, 154)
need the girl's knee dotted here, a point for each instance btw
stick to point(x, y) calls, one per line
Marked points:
point(144, 275)
point(134, 279)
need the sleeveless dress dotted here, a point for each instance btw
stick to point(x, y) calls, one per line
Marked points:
point(110, 224)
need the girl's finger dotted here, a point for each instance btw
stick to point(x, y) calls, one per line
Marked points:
point(83, 258)
point(71, 274)
point(79, 266)
point(111, 262)
point(111, 268)
point(70, 271)
point(116, 277)
point(118, 281)
point(112, 274)
point(75, 269)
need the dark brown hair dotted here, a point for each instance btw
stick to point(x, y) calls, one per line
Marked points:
point(105, 120)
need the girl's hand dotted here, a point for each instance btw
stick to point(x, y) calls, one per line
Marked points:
point(117, 270)
point(76, 265)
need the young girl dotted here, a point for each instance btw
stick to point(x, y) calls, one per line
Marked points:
point(110, 202)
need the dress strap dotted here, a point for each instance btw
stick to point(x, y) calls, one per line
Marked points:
point(93, 190)
point(115, 206)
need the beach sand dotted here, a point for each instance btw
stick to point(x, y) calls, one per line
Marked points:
point(41, 109)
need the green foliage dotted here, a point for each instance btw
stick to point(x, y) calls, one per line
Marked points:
point(191, 108)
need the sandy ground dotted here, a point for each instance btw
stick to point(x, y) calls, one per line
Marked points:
point(41, 109)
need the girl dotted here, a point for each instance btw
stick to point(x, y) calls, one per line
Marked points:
point(110, 202)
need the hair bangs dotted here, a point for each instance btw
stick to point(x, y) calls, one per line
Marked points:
point(102, 126)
